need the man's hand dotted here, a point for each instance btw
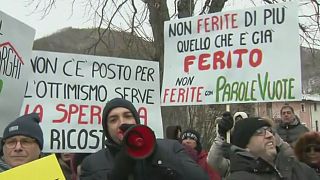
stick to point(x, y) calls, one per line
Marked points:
point(123, 167)
point(225, 124)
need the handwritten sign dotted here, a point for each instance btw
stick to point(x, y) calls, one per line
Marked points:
point(69, 91)
point(16, 40)
point(46, 168)
point(243, 56)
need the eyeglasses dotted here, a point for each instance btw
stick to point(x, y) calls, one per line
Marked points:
point(314, 147)
point(25, 143)
point(263, 131)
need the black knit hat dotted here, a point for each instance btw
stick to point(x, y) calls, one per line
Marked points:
point(26, 125)
point(245, 128)
point(114, 103)
point(192, 134)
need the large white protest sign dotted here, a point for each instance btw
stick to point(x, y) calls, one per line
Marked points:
point(16, 40)
point(69, 92)
point(242, 56)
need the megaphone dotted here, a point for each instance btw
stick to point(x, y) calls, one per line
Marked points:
point(139, 141)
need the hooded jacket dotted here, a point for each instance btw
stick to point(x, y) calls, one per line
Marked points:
point(169, 161)
point(246, 166)
point(309, 138)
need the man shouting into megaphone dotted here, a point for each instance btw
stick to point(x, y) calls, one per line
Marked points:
point(133, 153)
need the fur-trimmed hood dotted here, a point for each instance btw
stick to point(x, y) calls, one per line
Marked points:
point(305, 140)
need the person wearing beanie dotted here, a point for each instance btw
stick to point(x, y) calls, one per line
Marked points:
point(244, 130)
point(168, 159)
point(239, 116)
point(191, 140)
point(256, 156)
point(22, 142)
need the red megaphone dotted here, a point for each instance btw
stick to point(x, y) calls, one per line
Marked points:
point(139, 141)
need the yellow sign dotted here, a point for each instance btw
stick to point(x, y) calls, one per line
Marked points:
point(46, 168)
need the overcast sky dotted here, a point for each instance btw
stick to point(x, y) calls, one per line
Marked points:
point(61, 15)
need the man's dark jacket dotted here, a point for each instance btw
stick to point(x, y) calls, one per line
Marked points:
point(292, 131)
point(245, 166)
point(168, 162)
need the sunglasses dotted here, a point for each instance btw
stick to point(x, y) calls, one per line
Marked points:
point(314, 147)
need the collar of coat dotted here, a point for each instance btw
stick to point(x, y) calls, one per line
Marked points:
point(290, 125)
point(243, 160)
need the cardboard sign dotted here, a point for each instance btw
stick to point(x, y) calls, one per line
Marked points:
point(16, 40)
point(69, 91)
point(243, 56)
point(46, 168)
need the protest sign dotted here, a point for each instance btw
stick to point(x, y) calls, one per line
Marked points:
point(16, 40)
point(46, 168)
point(69, 92)
point(243, 56)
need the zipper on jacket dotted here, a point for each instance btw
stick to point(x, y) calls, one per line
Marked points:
point(278, 172)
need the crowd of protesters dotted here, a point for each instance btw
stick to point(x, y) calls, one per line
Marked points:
point(258, 149)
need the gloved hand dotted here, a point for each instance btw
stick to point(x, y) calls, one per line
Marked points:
point(123, 163)
point(226, 149)
point(123, 166)
point(225, 124)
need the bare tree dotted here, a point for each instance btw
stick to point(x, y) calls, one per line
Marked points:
point(135, 16)
point(146, 19)
point(309, 21)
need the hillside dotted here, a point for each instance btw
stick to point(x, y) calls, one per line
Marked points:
point(82, 41)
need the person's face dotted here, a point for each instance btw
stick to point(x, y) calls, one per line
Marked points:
point(115, 119)
point(66, 157)
point(18, 150)
point(287, 115)
point(312, 154)
point(262, 144)
point(189, 142)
